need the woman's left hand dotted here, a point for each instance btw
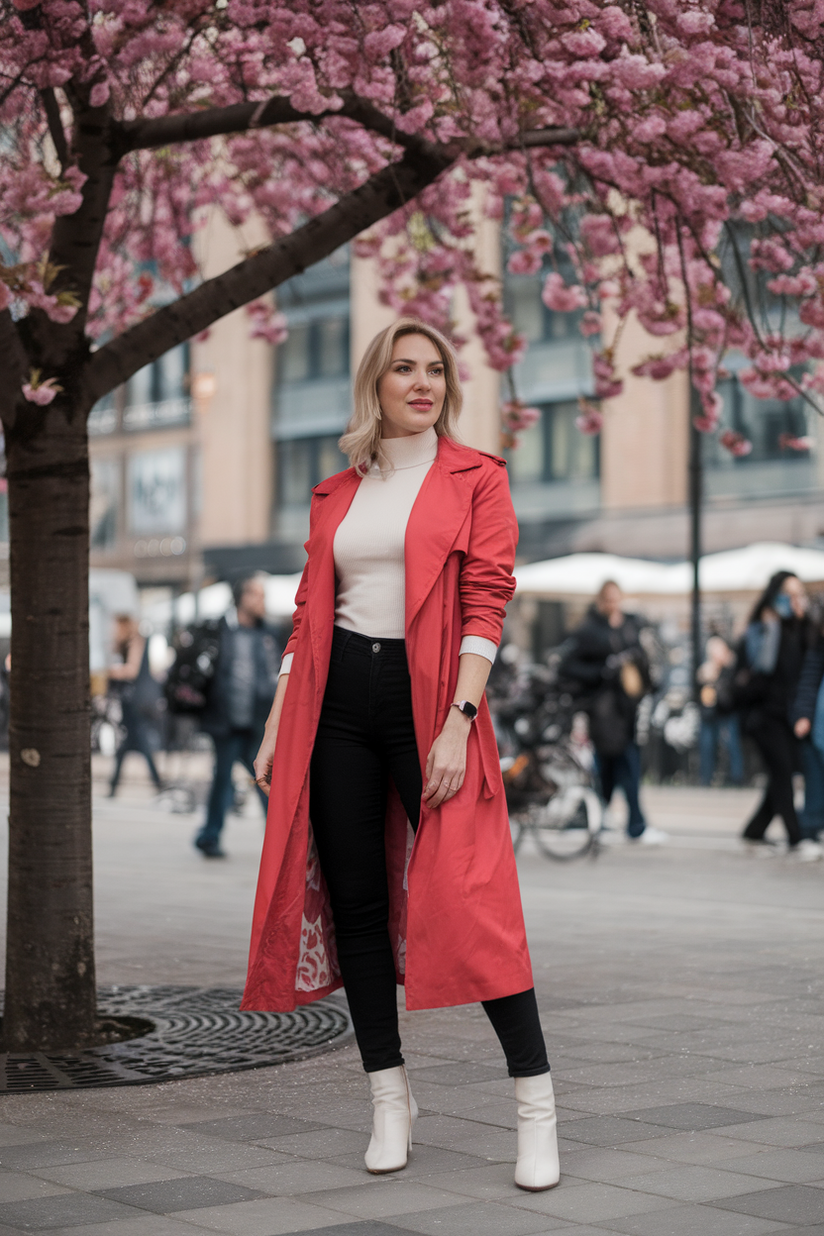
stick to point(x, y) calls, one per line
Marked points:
point(446, 762)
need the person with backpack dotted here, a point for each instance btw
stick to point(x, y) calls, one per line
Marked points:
point(608, 670)
point(770, 658)
point(238, 696)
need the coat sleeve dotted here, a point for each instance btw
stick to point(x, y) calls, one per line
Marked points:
point(486, 582)
point(302, 592)
point(806, 695)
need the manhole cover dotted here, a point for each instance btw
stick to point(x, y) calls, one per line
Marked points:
point(196, 1031)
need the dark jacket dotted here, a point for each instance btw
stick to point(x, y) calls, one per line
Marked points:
point(809, 682)
point(215, 719)
point(592, 665)
point(773, 694)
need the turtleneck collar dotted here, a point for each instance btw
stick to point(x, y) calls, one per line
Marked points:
point(410, 452)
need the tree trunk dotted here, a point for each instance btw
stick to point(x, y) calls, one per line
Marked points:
point(50, 978)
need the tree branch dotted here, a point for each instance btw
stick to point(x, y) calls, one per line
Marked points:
point(148, 134)
point(549, 137)
point(265, 270)
point(58, 136)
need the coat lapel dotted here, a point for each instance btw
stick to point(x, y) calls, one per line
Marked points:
point(437, 517)
point(337, 493)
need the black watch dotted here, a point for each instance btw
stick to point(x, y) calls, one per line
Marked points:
point(468, 710)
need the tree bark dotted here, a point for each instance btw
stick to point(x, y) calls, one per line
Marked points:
point(50, 977)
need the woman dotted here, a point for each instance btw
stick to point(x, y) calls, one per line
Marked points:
point(769, 666)
point(388, 856)
point(132, 683)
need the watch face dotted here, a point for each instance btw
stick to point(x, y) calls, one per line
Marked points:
point(468, 710)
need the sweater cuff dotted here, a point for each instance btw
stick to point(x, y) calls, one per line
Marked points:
point(286, 664)
point(479, 646)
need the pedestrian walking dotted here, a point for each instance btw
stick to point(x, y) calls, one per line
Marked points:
point(608, 670)
point(807, 715)
point(388, 854)
point(238, 702)
point(770, 658)
point(132, 684)
point(719, 729)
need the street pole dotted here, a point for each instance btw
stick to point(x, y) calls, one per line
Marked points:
point(695, 498)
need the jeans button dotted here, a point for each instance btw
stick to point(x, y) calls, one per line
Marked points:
point(376, 647)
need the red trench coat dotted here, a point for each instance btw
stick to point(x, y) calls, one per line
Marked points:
point(455, 910)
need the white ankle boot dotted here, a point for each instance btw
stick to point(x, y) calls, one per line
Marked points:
point(392, 1120)
point(537, 1167)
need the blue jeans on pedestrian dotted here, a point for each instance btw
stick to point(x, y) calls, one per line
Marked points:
point(238, 746)
point(726, 731)
point(623, 772)
point(811, 819)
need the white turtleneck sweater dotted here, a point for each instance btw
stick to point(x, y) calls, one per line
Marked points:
point(369, 546)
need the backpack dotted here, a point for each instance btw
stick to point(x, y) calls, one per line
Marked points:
point(192, 672)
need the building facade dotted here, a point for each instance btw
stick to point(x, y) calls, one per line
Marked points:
point(203, 464)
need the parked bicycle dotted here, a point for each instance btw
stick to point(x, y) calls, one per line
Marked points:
point(547, 767)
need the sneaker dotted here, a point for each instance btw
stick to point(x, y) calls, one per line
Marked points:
point(209, 849)
point(806, 851)
point(651, 836)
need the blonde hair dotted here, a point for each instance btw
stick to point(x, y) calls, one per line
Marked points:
point(362, 440)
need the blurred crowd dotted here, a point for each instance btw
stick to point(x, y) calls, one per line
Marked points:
point(616, 688)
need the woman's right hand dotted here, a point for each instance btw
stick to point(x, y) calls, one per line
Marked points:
point(266, 754)
point(265, 758)
point(802, 727)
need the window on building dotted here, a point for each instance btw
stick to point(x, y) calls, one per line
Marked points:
point(166, 378)
point(304, 463)
point(554, 449)
point(105, 502)
point(767, 423)
point(157, 491)
point(315, 349)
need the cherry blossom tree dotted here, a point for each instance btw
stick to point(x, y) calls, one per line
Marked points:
point(666, 152)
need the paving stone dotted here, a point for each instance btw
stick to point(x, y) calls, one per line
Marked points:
point(697, 1221)
point(607, 1130)
point(692, 1117)
point(32, 1155)
point(272, 1216)
point(299, 1176)
point(788, 1204)
point(106, 1173)
point(258, 1126)
point(382, 1198)
point(64, 1210)
point(779, 1132)
point(142, 1225)
point(17, 1186)
point(185, 1193)
point(460, 1074)
point(790, 1165)
point(477, 1219)
point(694, 1184)
point(591, 1203)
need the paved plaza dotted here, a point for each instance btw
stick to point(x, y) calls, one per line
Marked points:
point(680, 991)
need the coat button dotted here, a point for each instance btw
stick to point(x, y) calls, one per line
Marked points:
point(376, 647)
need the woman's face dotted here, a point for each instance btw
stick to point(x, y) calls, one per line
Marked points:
point(412, 391)
point(796, 595)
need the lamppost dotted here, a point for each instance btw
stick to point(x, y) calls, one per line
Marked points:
point(695, 470)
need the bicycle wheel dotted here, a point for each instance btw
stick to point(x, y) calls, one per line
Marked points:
point(566, 827)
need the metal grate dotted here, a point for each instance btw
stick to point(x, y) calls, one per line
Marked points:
point(194, 1031)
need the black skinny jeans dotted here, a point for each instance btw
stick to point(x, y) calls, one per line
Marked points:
point(365, 736)
point(777, 745)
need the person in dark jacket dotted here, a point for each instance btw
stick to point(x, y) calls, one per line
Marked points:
point(239, 700)
point(807, 716)
point(769, 667)
point(609, 672)
point(131, 682)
